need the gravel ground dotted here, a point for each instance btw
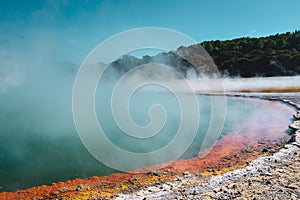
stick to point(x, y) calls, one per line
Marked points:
point(269, 177)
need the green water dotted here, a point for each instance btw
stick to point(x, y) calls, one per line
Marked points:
point(39, 143)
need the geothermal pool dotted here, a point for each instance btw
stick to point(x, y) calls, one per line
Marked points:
point(39, 144)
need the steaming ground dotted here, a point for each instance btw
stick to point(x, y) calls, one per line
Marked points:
point(257, 84)
point(237, 84)
point(288, 84)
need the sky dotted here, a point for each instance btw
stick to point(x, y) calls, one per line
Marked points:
point(66, 31)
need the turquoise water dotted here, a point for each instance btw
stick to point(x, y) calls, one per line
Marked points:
point(39, 143)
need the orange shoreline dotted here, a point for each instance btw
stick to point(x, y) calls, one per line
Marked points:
point(271, 90)
point(231, 151)
point(251, 90)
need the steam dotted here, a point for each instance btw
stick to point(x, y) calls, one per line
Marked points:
point(36, 113)
point(235, 84)
point(37, 127)
point(255, 84)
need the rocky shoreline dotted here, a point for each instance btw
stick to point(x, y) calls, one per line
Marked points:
point(275, 176)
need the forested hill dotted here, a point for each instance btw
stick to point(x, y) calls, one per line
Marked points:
point(276, 55)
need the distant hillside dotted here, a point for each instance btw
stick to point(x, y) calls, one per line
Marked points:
point(276, 55)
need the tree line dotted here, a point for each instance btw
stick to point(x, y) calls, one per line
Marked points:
point(275, 55)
